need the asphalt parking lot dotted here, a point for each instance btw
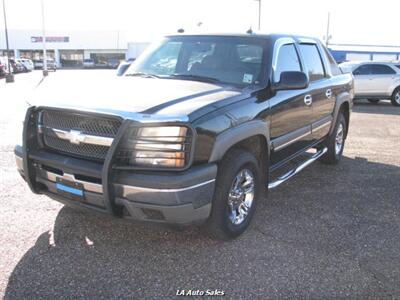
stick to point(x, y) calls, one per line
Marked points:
point(331, 232)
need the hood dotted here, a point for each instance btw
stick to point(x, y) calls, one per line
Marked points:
point(124, 95)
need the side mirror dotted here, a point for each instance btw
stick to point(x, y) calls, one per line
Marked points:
point(291, 80)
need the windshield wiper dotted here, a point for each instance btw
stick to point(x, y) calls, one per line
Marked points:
point(194, 77)
point(141, 74)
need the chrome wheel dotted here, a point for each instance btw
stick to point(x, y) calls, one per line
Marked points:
point(339, 139)
point(241, 196)
point(397, 97)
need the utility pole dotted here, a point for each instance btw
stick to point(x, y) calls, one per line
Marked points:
point(259, 14)
point(328, 36)
point(10, 75)
point(45, 72)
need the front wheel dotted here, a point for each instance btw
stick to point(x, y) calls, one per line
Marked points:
point(238, 189)
point(396, 97)
point(335, 141)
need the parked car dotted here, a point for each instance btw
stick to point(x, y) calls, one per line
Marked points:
point(51, 64)
point(192, 135)
point(27, 63)
point(38, 64)
point(123, 66)
point(17, 67)
point(113, 63)
point(101, 64)
point(88, 63)
point(375, 81)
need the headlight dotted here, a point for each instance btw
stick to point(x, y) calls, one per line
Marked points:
point(160, 147)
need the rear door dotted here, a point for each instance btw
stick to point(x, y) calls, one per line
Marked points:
point(291, 113)
point(323, 95)
point(381, 80)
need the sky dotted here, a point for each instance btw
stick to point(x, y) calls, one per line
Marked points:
point(352, 21)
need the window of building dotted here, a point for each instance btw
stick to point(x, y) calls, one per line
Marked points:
point(384, 57)
point(313, 62)
point(352, 56)
point(71, 58)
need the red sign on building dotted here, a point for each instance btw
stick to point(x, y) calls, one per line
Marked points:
point(50, 39)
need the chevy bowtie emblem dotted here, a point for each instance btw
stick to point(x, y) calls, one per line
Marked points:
point(76, 137)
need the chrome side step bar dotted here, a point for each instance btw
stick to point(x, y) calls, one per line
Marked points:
point(297, 170)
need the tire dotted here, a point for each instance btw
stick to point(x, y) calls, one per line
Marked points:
point(335, 142)
point(395, 99)
point(373, 101)
point(222, 223)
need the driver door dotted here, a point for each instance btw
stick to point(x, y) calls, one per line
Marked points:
point(362, 80)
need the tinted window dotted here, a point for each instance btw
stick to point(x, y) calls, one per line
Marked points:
point(363, 70)
point(288, 60)
point(382, 69)
point(313, 62)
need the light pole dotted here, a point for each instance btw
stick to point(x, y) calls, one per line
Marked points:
point(45, 72)
point(10, 75)
point(259, 14)
point(328, 36)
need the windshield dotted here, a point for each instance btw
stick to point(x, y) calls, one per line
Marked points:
point(220, 59)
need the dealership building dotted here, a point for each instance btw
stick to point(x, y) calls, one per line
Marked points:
point(343, 53)
point(70, 48)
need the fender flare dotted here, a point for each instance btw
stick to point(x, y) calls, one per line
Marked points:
point(234, 135)
point(340, 99)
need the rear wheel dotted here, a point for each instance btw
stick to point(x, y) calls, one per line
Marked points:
point(373, 101)
point(396, 97)
point(335, 142)
point(237, 192)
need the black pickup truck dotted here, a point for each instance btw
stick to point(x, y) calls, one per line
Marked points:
point(196, 132)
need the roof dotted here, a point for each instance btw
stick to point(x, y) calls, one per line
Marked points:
point(272, 36)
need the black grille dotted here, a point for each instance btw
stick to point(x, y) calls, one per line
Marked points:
point(85, 123)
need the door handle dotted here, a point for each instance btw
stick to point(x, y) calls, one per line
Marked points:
point(308, 99)
point(328, 93)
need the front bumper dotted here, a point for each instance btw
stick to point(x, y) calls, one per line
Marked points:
point(178, 198)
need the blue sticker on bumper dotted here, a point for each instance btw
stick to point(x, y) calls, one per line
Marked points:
point(70, 190)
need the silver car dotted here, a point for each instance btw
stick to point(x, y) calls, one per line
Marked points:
point(28, 64)
point(375, 81)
